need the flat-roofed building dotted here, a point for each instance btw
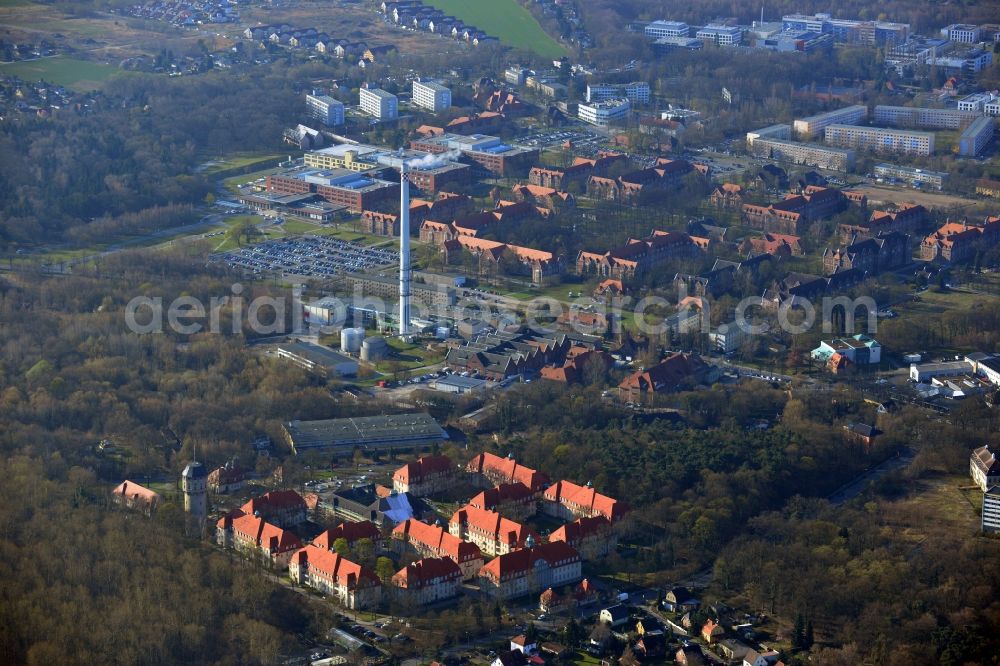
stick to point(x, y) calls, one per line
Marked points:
point(325, 109)
point(781, 132)
point(658, 29)
point(977, 101)
point(962, 33)
point(910, 175)
point(368, 433)
point(923, 117)
point(722, 35)
point(356, 191)
point(318, 359)
point(837, 159)
point(880, 139)
point(975, 137)
point(431, 96)
point(605, 113)
point(379, 103)
point(991, 510)
point(488, 152)
point(813, 126)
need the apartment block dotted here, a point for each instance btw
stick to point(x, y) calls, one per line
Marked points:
point(326, 109)
point(813, 126)
point(924, 117)
point(975, 137)
point(431, 96)
point(808, 154)
point(880, 139)
point(379, 103)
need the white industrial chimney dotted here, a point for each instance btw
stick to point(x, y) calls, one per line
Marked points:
point(404, 250)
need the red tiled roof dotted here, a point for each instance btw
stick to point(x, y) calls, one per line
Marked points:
point(519, 562)
point(585, 497)
point(335, 567)
point(437, 540)
point(424, 572)
point(507, 468)
point(581, 528)
point(503, 493)
point(492, 523)
point(132, 490)
point(414, 472)
point(276, 500)
point(264, 534)
point(349, 531)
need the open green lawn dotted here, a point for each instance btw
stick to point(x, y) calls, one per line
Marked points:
point(239, 161)
point(506, 20)
point(69, 72)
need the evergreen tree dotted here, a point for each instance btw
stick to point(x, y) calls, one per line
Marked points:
point(798, 633)
point(808, 641)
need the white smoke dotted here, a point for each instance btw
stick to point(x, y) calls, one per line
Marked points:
point(433, 161)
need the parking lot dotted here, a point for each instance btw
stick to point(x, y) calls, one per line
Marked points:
point(584, 140)
point(307, 256)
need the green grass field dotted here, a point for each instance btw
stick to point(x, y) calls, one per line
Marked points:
point(239, 162)
point(69, 72)
point(506, 20)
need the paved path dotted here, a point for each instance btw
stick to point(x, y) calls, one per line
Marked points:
point(858, 485)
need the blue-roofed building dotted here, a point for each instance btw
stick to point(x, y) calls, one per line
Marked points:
point(358, 191)
point(378, 504)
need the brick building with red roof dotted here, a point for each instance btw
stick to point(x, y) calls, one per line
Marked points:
point(354, 586)
point(513, 500)
point(285, 508)
point(592, 537)
point(427, 581)
point(131, 495)
point(566, 499)
point(494, 534)
point(497, 470)
point(255, 537)
point(350, 532)
point(530, 570)
point(435, 541)
point(425, 476)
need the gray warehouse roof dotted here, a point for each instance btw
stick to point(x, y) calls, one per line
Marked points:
point(368, 432)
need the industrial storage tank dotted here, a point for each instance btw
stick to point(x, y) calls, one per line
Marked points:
point(373, 349)
point(350, 340)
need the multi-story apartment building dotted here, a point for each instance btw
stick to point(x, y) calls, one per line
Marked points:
point(353, 585)
point(885, 251)
point(910, 175)
point(606, 113)
point(984, 467)
point(494, 534)
point(973, 140)
point(780, 132)
point(425, 476)
point(813, 126)
point(568, 500)
point(326, 109)
point(992, 108)
point(530, 570)
point(513, 500)
point(435, 541)
point(593, 537)
point(637, 92)
point(431, 96)
point(427, 581)
point(880, 139)
point(284, 508)
point(809, 154)
point(722, 35)
point(658, 29)
point(495, 470)
point(923, 117)
point(378, 103)
point(256, 538)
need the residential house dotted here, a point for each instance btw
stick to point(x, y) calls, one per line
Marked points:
point(777, 245)
point(861, 433)
point(727, 195)
point(427, 581)
point(732, 649)
point(690, 655)
point(523, 644)
point(530, 570)
point(227, 479)
point(616, 616)
point(651, 645)
point(435, 541)
point(679, 600)
point(712, 631)
point(766, 658)
point(551, 601)
point(131, 495)
point(353, 585)
point(426, 476)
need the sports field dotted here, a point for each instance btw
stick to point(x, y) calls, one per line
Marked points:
point(69, 72)
point(506, 20)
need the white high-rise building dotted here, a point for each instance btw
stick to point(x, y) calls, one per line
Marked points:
point(431, 96)
point(326, 109)
point(604, 113)
point(379, 103)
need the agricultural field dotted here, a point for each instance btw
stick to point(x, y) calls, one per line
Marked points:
point(511, 23)
point(69, 72)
